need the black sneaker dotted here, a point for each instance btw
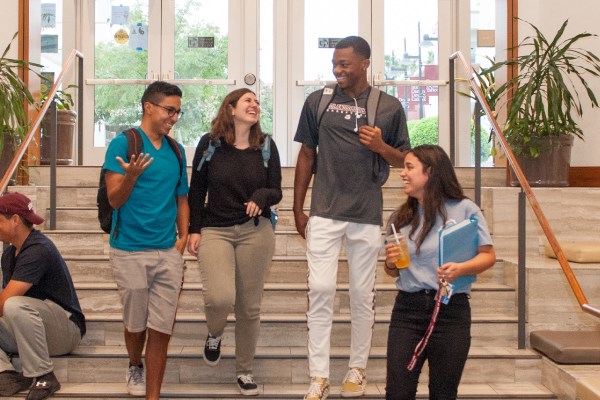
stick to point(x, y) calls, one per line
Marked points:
point(12, 382)
point(43, 387)
point(212, 350)
point(247, 385)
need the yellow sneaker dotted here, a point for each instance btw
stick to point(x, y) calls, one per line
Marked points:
point(355, 383)
point(318, 390)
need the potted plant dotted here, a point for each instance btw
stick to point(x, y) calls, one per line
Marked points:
point(66, 119)
point(14, 95)
point(543, 102)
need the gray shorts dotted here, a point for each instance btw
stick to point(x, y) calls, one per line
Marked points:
point(149, 284)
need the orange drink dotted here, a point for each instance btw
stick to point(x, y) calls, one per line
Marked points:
point(404, 257)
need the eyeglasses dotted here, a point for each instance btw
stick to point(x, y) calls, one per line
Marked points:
point(170, 110)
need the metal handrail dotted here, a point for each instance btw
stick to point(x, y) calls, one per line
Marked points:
point(564, 264)
point(36, 124)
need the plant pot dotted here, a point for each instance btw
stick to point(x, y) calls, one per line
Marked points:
point(65, 125)
point(551, 168)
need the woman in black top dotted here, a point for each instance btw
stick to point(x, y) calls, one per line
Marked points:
point(231, 233)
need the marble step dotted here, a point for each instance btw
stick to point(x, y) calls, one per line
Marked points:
point(284, 269)
point(271, 390)
point(97, 269)
point(89, 176)
point(83, 220)
point(292, 298)
point(86, 218)
point(85, 242)
point(106, 329)
point(85, 196)
point(289, 246)
point(285, 365)
point(573, 213)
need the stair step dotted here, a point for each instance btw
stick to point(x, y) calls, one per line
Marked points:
point(229, 391)
point(292, 298)
point(285, 365)
point(78, 176)
point(86, 218)
point(96, 268)
point(290, 330)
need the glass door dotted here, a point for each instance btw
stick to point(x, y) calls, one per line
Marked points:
point(281, 49)
point(318, 25)
point(410, 42)
point(194, 44)
point(405, 53)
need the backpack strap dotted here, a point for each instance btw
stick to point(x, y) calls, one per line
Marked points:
point(208, 153)
point(372, 104)
point(135, 144)
point(380, 168)
point(326, 98)
point(177, 150)
point(266, 150)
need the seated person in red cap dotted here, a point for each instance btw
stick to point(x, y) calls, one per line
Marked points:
point(40, 315)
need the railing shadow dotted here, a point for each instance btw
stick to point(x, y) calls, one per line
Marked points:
point(50, 107)
point(526, 192)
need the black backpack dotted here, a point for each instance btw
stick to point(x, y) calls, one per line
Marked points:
point(135, 145)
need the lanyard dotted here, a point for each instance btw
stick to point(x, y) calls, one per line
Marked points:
point(420, 347)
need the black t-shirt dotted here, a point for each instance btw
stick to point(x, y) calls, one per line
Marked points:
point(40, 264)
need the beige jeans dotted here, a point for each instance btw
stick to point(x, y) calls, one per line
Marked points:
point(233, 263)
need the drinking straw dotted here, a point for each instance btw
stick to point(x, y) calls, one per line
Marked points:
point(395, 235)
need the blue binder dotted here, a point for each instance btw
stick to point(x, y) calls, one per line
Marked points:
point(458, 243)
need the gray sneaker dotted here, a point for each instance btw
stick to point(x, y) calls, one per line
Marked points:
point(136, 381)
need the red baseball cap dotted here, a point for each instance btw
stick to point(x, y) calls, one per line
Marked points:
point(17, 203)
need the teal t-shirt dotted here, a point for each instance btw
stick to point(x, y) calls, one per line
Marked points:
point(147, 219)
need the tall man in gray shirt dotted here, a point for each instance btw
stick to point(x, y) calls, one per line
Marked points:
point(347, 203)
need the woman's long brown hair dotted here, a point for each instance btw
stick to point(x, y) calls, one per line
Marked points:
point(442, 185)
point(223, 125)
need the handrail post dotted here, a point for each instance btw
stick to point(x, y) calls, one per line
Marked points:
point(80, 112)
point(53, 146)
point(478, 110)
point(522, 270)
point(452, 112)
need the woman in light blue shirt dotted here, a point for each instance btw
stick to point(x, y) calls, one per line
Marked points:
point(435, 199)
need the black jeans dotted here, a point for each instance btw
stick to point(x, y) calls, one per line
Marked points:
point(446, 351)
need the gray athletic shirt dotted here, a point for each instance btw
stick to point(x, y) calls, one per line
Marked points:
point(345, 187)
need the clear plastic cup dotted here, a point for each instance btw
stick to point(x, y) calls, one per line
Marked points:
point(401, 244)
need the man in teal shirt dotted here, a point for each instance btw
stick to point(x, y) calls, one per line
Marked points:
point(149, 195)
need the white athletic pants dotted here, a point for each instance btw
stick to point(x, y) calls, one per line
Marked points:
point(323, 240)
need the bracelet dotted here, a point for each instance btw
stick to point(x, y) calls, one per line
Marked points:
point(388, 268)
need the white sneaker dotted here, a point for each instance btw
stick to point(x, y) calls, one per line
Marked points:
point(136, 381)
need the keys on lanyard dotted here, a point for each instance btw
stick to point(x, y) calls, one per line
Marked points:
point(446, 291)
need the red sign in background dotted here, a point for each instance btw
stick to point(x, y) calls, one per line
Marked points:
point(412, 94)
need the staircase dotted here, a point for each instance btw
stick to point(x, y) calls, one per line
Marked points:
point(496, 369)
